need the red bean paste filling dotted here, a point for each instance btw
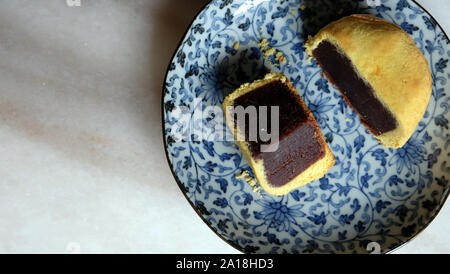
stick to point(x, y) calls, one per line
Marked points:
point(358, 93)
point(298, 146)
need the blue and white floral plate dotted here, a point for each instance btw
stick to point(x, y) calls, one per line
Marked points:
point(373, 199)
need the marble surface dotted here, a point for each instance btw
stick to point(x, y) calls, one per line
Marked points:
point(82, 163)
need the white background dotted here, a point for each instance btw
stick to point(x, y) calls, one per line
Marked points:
point(82, 164)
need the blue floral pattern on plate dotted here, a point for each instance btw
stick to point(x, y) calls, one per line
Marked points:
point(372, 194)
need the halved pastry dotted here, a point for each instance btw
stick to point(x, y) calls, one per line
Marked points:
point(298, 155)
point(380, 72)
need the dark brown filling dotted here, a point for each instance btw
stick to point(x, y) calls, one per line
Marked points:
point(357, 93)
point(295, 154)
point(299, 146)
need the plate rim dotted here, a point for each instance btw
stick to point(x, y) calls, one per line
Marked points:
point(180, 185)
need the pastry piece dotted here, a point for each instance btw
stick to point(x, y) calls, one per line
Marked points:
point(380, 72)
point(301, 153)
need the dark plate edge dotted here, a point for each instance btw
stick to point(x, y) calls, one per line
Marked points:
point(437, 211)
point(180, 185)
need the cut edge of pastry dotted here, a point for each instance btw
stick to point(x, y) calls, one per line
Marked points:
point(316, 171)
point(392, 139)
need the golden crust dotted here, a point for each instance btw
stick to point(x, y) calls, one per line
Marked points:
point(387, 58)
point(315, 171)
